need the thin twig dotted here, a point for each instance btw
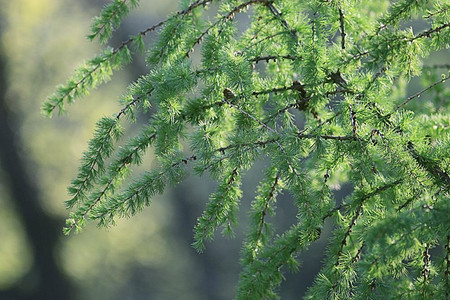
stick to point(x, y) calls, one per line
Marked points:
point(266, 207)
point(110, 18)
point(436, 12)
point(417, 95)
point(274, 58)
point(278, 15)
point(428, 33)
point(224, 18)
point(342, 26)
point(359, 212)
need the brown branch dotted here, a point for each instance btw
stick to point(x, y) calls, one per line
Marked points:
point(429, 32)
point(279, 16)
point(274, 58)
point(447, 268)
point(417, 95)
point(263, 39)
point(426, 34)
point(359, 212)
point(326, 137)
point(342, 27)
point(357, 257)
point(274, 90)
point(431, 14)
point(431, 166)
point(266, 205)
point(268, 128)
point(426, 263)
point(299, 135)
point(229, 16)
point(349, 230)
point(183, 13)
point(407, 202)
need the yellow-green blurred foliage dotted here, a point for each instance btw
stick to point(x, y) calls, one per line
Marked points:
point(44, 41)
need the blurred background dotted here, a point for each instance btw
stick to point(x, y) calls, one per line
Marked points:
point(147, 257)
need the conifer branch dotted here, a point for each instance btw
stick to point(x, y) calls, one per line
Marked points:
point(96, 71)
point(418, 94)
point(407, 202)
point(429, 165)
point(109, 185)
point(263, 40)
point(274, 258)
point(300, 105)
point(359, 213)
point(128, 203)
point(273, 90)
point(218, 209)
point(93, 167)
point(432, 14)
point(274, 140)
point(326, 137)
point(261, 207)
point(283, 21)
point(274, 58)
point(395, 13)
point(353, 121)
point(447, 267)
point(359, 55)
point(92, 164)
point(357, 256)
point(250, 116)
point(268, 128)
point(110, 17)
point(111, 58)
point(425, 34)
point(224, 18)
point(346, 93)
point(430, 31)
point(426, 264)
point(349, 230)
point(135, 191)
point(270, 198)
point(183, 14)
point(342, 26)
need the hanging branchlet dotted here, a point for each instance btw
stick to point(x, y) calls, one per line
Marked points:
point(262, 207)
point(220, 210)
point(92, 166)
point(110, 19)
point(138, 195)
point(96, 71)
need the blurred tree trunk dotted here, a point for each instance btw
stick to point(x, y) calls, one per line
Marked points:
point(45, 279)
